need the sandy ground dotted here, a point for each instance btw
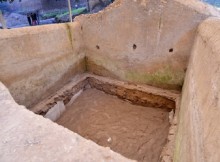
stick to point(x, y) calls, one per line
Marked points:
point(136, 132)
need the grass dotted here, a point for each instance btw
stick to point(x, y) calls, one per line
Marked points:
point(50, 15)
point(74, 12)
point(61, 13)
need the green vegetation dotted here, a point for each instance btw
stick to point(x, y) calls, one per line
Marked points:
point(74, 12)
point(51, 14)
point(61, 13)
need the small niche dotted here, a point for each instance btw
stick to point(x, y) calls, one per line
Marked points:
point(171, 50)
point(134, 46)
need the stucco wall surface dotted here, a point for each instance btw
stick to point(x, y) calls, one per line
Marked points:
point(43, 140)
point(37, 61)
point(143, 41)
point(198, 137)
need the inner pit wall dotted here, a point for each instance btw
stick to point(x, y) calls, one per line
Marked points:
point(147, 42)
point(198, 137)
point(37, 61)
point(144, 42)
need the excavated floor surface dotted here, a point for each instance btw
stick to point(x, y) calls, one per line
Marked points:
point(136, 132)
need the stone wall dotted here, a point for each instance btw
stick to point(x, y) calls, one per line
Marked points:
point(143, 41)
point(37, 61)
point(198, 137)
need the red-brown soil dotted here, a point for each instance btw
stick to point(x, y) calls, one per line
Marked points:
point(136, 132)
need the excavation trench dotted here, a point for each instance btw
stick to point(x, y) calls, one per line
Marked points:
point(127, 118)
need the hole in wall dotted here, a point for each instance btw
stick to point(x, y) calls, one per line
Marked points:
point(134, 46)
point(97, 47)
point(81, 28)
point(171, 50)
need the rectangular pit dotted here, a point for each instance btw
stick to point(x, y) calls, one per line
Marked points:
point(133, 120)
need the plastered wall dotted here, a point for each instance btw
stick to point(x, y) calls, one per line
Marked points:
point(143, 41)
point(139, 41)
point(198, 137)
point(37, 61)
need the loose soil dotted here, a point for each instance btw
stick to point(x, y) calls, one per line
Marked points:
point(136, 132)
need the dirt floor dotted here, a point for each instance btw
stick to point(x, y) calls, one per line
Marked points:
point(136, 132)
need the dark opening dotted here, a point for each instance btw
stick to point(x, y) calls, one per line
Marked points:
point(97, 46)
point(171, 50)
point(134, 46)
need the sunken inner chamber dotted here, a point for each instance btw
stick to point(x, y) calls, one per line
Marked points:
point(133, 120)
